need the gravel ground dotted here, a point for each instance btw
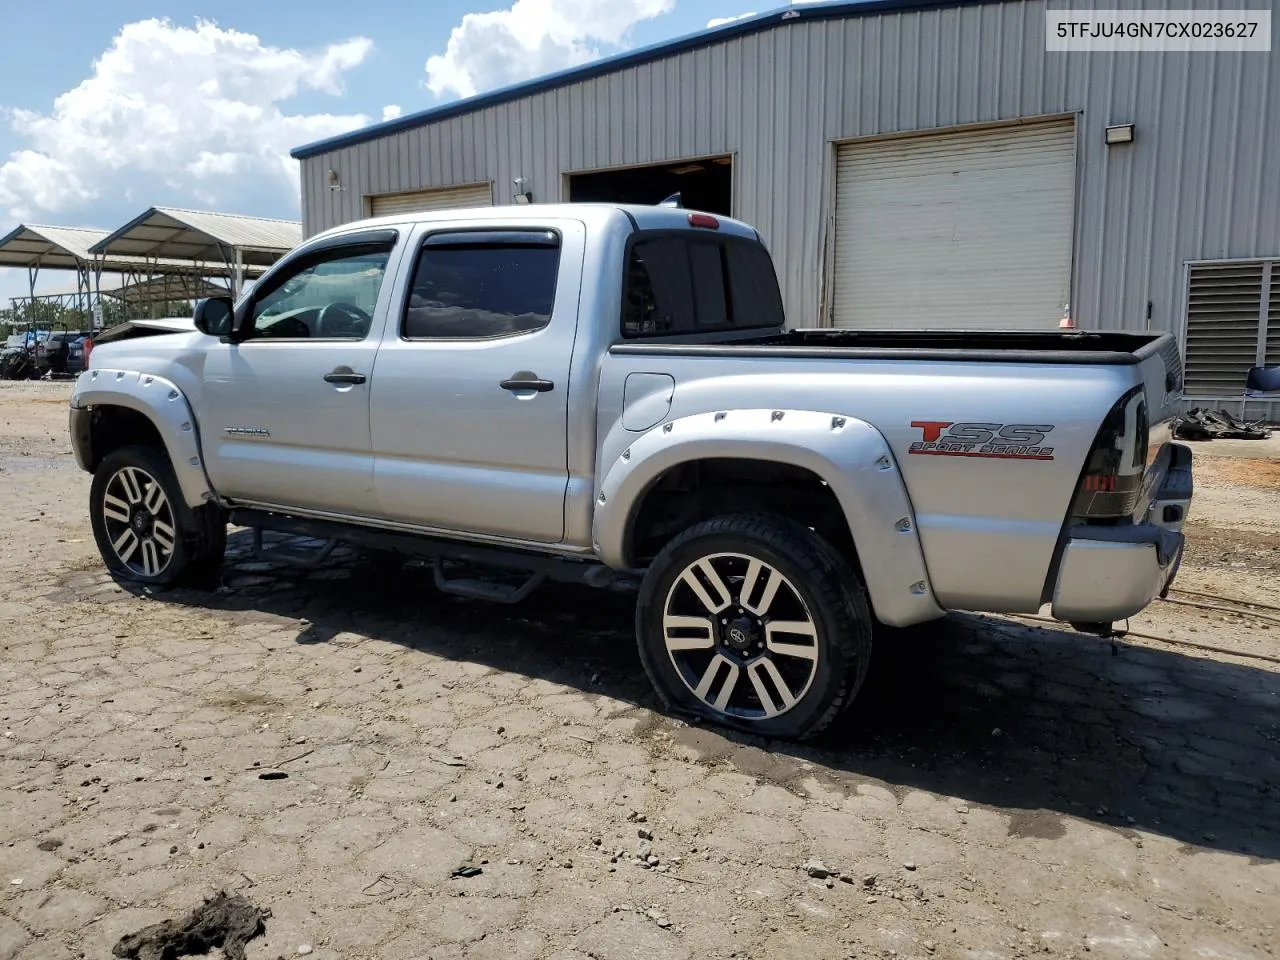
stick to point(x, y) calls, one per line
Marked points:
point(332, 744)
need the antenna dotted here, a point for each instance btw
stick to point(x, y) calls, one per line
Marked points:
point(672, 201)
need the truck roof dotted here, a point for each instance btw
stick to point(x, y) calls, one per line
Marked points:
point(599, 215)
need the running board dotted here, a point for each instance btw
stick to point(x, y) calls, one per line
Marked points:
point(307, 558)
point(484, 589)
point(583, 570)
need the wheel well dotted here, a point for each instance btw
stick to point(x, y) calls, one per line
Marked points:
point(114, 427)
point(699, 490)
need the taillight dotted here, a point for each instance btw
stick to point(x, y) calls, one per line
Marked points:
point(88, 349)
point(704, 220)
point(1111, 483)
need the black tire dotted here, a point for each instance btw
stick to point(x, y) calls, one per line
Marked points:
point(831, 603)
point(124, 485)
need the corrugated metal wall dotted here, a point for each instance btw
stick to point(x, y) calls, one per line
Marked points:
point(1201, 181)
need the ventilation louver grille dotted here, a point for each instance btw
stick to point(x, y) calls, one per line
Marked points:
point(1223, 306)
point(1273, 318)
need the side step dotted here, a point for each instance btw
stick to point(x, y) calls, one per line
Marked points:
point(484, 589)
point(296, 556)
point(537, 567)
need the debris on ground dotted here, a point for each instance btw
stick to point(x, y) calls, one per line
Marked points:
point(466, 870)
point(227, 920)
point(817, 869)
point(1197, 424)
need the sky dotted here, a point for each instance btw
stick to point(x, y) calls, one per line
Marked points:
point(108, 108)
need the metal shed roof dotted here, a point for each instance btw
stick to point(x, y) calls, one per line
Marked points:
point(202, 235)
point(59, 248)
point(164, 289)
point(71, 248)
point(842, 9)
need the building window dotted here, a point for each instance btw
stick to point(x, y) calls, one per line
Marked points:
point(1233, 324)
point(482, 284)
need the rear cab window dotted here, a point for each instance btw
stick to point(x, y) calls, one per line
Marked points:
point(688, 283)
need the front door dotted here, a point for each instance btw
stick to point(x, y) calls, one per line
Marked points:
point(285, 411)
point(468, 403)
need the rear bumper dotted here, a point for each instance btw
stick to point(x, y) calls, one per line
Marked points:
point(1101, 581)
point(1110, 573)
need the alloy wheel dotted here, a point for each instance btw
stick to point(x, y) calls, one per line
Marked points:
point(740, 636)
point(139, 521)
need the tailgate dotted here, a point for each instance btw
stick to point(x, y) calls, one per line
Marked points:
point(1160, 366)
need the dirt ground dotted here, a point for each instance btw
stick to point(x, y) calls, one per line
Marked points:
point(1001, 790)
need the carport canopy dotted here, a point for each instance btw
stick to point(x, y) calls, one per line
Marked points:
point(200, 235)
point(165, 288)
point(58, 248)
point(38, 247)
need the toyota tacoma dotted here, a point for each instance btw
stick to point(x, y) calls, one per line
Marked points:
point(609, 395)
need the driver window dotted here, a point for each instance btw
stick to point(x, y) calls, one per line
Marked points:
point(331, 299)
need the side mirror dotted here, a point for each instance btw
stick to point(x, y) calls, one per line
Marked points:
point(214, 316)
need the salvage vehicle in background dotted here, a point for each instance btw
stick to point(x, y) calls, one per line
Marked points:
point(54, 352)
point(608, 395)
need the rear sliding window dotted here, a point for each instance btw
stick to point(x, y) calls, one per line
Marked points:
point(692, 284)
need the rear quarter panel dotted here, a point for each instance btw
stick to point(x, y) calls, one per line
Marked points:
point(989, 527)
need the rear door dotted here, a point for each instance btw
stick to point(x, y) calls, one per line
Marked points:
point(284, 415)
point(468, 406)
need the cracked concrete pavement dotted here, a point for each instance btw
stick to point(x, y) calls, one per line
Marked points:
point(1001, 790)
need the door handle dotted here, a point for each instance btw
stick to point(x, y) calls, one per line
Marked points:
point(339, 376)
point(525, 380)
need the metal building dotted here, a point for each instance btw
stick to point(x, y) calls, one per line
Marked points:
point(911, 164)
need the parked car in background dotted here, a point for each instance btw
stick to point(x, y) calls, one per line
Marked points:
point(32, 340)
point(54, 352)
point(78, 354)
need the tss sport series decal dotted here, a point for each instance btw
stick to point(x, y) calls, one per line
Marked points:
point(995, 441)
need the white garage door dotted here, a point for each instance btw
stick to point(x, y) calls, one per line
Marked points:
point(444, 198)
point(955, 230)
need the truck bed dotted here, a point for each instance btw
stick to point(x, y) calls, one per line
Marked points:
point(999, 346)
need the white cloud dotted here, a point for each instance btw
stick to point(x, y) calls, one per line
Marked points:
point(391, 111)
point(721, 21)
point(531, 38)
point(197, 109)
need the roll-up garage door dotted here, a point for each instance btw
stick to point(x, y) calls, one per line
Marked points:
point(955, 230)
point(444, 198)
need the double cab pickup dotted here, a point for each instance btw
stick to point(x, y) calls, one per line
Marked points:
point(609, 395)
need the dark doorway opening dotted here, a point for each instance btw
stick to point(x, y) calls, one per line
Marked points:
point(705, 184)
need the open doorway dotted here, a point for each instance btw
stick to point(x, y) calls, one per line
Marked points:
point(703, 184)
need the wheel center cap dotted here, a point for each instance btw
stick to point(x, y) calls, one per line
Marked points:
point(140, 521)
point(740, 634)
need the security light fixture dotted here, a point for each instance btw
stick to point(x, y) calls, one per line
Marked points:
point(1120, 133)
point(521, 195)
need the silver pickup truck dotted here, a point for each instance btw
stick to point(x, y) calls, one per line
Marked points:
point(608, 395)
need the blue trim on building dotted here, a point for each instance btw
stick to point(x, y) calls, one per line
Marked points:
point(838, 10)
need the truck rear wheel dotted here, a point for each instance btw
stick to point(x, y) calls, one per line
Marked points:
point(144, 528)
point(756, 622)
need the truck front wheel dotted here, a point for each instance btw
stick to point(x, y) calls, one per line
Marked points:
point(756, 622)
point(144, 529)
